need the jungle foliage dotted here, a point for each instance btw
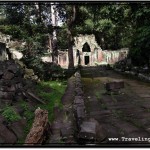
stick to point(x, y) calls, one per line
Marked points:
point(115, 25)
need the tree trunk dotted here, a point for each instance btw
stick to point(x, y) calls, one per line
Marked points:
point(54, 35)
point(38, 12)
point(70, 49)
point(70, 22)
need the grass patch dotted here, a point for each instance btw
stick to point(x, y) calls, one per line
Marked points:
point(29, 115)
point(52, 98)
point(10, 114)
point(50, 92)
point(104, 106)
point(99, 94)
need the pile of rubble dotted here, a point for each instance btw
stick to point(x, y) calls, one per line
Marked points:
point(14, 88)
point(9, 47)
point(125, 67)
point(12, 82)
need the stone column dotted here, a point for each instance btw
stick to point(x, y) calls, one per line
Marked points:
point(58, 58)
point(91, 59)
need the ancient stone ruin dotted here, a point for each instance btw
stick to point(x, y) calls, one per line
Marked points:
point(114, 87)
point(15, 86)
point(14, 82)
point(40, 130)
point(87, 52)
point(8, 48)
point(88, 129)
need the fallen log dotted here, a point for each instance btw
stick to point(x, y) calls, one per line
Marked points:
point(31, 95)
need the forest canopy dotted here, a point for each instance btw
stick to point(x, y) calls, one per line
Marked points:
point(114, 24)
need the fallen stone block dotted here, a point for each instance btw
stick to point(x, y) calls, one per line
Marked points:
point(8, 95)
point(13, 68)
point(80, 112)
point(88, 131)
point(101, 133)
point(114, 85)
point(55, 138)
point(58, 113)
point(11, 89)
point(79, 92)
point(8, 75)
point(91, 131)
point(17, 80)
point(78, 79)
point(6, 82)
point(18, 128)
point(78, 100)
point(40, 130)
point(79, 85)
point(66, 133)
point(2, 119)
point(2, 88)
point(77, 74)
point(1, 74)
point(1, 94)
point(56, 126)
point(78, 105)
point(6, 136)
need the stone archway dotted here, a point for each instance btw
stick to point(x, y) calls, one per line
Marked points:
point(86, 48)
point(81, 40)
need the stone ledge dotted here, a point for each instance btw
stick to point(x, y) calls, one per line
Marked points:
point(134, 74)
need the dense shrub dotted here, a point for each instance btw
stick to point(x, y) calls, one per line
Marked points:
point(45, 71)
point(10, 114)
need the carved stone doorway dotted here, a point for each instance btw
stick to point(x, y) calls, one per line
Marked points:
point(86, 60)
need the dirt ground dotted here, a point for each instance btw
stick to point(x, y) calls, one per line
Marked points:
point(124, 116)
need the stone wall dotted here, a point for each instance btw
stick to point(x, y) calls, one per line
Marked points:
point(111, 57)
point(88, 129)
point(93, 56)
point(126, 67)
point(63, 58)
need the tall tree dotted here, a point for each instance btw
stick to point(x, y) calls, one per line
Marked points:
point(54, 21)
point(71, 16)
point(139, 52)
